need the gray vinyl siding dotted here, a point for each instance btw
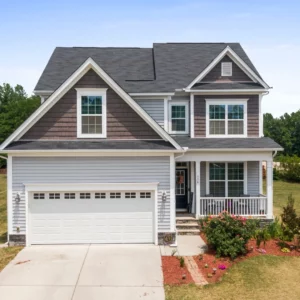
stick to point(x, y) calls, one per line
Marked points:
point(154, 108)
point(253, 178)
point(90, 170)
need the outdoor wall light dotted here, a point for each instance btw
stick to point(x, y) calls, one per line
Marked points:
point(164, 196)
point(18, 198)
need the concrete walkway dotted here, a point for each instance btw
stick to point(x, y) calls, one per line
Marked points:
point(187, 245)
point(84, 272)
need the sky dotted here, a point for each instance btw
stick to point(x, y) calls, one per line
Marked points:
point(269, 31)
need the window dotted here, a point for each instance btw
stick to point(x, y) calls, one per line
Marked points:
point(54, 196)
point(181, 165)
point(115, 195)
point(69, 195)
point(226, 179)
point(130, 195)
point(145, 195)
point(180, 183)
point(100, 195)
point(38, 196)
point(85, 196)
point(226, 118)
point(226, 69)
point(91, 113)
point(178, 117)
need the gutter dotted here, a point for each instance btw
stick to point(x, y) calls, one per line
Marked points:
point(3, 156)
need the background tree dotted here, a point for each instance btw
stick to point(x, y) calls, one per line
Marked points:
point(15, 108)
point(285, 130)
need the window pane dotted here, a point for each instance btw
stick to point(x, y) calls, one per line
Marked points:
point(235, 188)
point(216, 127)
point(178, 125)
point(217, 112)
point(92, 120)
point(98, 100)
point(85, 129)
point(98, 120)
point(85, 120)
point(235, 127)
point(235, 171)
point(236, 112)
point(92, 110)
point(178, 111)
point(217, 188)
point(98, 110)
point(98, 129)
point(84, 110)
point(217, 171)
point(92, 128)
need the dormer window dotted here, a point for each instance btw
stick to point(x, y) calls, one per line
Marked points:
point(91, 113)
point(226, 69)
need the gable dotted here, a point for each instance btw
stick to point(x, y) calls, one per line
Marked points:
point(215, 75)
point(60, 122)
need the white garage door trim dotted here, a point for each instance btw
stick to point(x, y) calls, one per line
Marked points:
point(59, 187)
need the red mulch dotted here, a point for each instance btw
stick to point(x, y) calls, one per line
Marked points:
point(209, 258)
point(173, 272)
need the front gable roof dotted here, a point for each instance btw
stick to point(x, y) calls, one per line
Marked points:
point(86, 66)
point(161, 69)
point(237, 60)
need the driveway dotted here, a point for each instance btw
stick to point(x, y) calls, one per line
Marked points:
point(84, 272)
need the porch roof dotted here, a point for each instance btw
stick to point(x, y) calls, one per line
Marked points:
point(263, 143)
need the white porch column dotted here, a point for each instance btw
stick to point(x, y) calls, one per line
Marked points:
point(197, 196)
point(172, 193)
point(269, 189)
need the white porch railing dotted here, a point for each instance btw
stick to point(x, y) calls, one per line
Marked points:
point(241, 206)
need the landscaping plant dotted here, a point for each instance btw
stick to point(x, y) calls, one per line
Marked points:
point(181, 262)
point(228, 234)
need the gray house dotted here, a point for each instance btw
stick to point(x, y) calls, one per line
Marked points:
point(127, 138)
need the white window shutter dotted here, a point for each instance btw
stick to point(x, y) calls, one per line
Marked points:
point(226, 69)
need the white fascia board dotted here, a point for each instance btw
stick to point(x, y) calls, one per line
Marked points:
point(236, 149)
point(228, 91)
point(42, 187)
point(43, 92)
point(87, 65)
point(228, 51)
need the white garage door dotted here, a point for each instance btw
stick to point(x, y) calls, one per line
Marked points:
point(91, 217)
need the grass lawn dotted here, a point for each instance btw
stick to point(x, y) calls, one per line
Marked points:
point(7, 254)
point(260, 277)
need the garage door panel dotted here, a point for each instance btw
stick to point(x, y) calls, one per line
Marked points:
point(61, 221)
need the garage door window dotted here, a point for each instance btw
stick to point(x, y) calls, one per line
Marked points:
point(70, 196)
point(85, 195)
point(54, 196)
point(130, 195)
point(100, 195)
point(145, 195)
point(38, 196)
point(115, 195)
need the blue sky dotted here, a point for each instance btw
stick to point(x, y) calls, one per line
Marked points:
point(268, 30)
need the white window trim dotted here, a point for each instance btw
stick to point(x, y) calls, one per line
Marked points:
point(181, 103)
point(245, 180)
point(226, 102)
point(223, 67)
point(91, 92)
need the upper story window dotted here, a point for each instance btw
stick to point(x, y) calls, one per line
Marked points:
point(178, 118)
point(91, 113)
point(226, 69)
point(226, 118)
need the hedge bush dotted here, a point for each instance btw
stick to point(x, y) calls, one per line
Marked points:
point(228, 234)
point(289, 168)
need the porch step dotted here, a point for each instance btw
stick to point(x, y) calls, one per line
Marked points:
point(185, 218)
point(187, 226)
point(188, 231)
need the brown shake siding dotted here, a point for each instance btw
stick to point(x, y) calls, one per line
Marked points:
point(60, 122)
point(252, 113)
point(215, 74)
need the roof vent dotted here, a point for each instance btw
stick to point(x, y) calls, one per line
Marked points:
point(226, 69)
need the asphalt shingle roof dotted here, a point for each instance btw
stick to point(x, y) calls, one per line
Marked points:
point(227, 86)
point(91, 145)
point(227, 143)
point(163, 68)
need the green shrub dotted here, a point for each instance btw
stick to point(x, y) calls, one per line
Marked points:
point(181, 261)
point(228, 234)
point(289, 168)
point(275, 229)
point(262, 235)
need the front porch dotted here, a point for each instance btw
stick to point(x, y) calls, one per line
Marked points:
point(209, 187)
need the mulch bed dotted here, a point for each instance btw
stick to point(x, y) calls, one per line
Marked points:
point(271, 248)
point(173, 273)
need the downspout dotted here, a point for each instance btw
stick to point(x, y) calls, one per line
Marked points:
point(275, 153)
point(3, 157)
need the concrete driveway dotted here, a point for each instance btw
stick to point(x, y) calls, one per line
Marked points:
point(84, 272)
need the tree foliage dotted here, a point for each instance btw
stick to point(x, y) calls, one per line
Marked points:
point(15, 108)
point(284, 130)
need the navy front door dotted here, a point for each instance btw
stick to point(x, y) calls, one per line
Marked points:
point(181, 189)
